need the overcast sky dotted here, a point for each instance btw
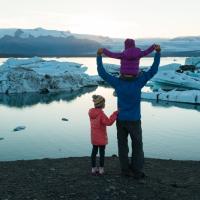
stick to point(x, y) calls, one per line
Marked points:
point(114, 18)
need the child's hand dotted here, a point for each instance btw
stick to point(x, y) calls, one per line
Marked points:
point(157, 48)
point(100, 51)
point(116, 112)
point(154, 46)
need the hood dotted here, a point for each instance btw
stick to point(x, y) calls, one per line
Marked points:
point(129, 43)
point(94, 112)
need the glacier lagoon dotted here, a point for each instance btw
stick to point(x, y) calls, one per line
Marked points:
point(170, 130)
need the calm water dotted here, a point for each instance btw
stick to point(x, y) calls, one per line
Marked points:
point(170, 131)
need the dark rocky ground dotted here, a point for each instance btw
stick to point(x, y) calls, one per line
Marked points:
point(70, 179)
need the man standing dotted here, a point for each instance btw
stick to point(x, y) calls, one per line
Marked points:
point(128, 90)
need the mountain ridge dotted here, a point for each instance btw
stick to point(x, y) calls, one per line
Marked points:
point(42, 42)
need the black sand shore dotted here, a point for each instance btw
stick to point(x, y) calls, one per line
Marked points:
point(70, 178)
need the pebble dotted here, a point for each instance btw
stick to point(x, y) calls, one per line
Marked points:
point(115, 193)
point(112, 188)
point(72, 194)
point(142, 181)
point(107, 190)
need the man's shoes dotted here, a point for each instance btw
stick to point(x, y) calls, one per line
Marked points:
point(127, 173)
point(139, 175)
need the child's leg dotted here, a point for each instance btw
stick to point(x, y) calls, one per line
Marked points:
point(102, 155)
point(93, 155)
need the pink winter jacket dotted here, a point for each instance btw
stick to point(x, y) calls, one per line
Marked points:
point(98, 122)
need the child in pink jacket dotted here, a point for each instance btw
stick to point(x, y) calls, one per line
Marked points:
point(130, 57)
point(99, 139)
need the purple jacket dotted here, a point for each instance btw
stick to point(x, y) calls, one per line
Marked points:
point(130, 57)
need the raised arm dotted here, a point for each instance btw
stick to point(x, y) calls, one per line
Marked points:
point(110, 54)
point(148, 51)
point(146, 76)
point(113, 81)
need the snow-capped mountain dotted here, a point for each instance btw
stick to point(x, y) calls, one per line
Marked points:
point(37, 32)
point(187, 38)
point(42, 42)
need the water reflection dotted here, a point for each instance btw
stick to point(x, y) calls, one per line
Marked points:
point(168, 104)
point(30, 99)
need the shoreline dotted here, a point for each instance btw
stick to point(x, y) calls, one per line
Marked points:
point(70, 178)
point(88, 157)
point(87, 56)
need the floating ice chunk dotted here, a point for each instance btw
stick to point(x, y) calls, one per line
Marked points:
point(65, 119)
point(189, 96)
point(19, 128)
point(171, 77)
point(171, 67)
point(112, 68)
point(193, 61)
point(15, 62)
point(1, 138)
point(150, 95)
point(36, 75)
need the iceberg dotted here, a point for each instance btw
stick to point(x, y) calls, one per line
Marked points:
point(193, 61)
point(65, 119)
point(168, 75)
point(177, 79)
point(38, 75)
point(19, 128)
point(188, 96)
point(178, 87)
point(112, 69)
point(171, 67)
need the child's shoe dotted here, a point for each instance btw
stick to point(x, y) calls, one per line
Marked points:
point(94, 170)
point(101, 171)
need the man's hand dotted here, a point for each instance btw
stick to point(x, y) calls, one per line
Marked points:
point(100, 51)
point(157, 48)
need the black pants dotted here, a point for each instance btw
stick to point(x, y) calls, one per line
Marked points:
point(94, 154)
point(124, 128)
